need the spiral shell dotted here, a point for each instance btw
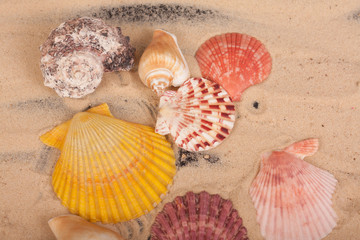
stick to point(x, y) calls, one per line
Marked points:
point(76, 54)
point(162, 63)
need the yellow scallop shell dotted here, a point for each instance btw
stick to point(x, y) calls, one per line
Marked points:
point(109, 170)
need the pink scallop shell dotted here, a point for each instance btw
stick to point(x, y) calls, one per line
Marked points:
point(198, 217)
point(199, 116)
point(236, 61)
point(293, 197)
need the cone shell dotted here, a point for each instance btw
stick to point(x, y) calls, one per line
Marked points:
point(109, 170)
point(293, 197)
point(162, 63)
point(71, 227)
point(199, 116)
point(235, 61)
point(198, 216)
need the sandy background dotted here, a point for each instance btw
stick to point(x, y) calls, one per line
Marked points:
point(313, 91)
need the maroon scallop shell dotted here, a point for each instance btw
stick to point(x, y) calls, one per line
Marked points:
point(198, 216)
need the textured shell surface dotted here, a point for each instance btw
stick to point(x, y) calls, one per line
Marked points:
point(72, 227)
point(76, 54)
point(236, 61)
point(293, 197)
point(162, 64)
point(199, 116)
point(109, 170)
point(197, 216)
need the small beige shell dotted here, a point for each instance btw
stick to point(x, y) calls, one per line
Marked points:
point(162, 63)
point(72, 227)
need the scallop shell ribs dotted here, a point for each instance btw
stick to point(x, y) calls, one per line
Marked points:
point(76, 54)
point(109, 170)
point(199, 116)
point(198, 216)
point(236, 61)
point(293, 197)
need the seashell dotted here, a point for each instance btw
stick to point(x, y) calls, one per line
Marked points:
point(199, 116)
point(293, 197)
point(109, 170)
point(198, 216)
point(236, 61)
point(71, 227)
point(162, 63)
point(76, 54)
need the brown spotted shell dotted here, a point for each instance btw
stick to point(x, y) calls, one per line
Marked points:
point(199, 116)
point(76, 54)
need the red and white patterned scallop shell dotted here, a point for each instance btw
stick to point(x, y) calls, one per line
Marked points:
point(199, 116)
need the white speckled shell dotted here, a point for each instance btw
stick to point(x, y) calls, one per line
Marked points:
point(76, 54)
point(162, 63)
point(199, 116)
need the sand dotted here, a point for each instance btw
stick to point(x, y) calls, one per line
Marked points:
point(312, 91)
